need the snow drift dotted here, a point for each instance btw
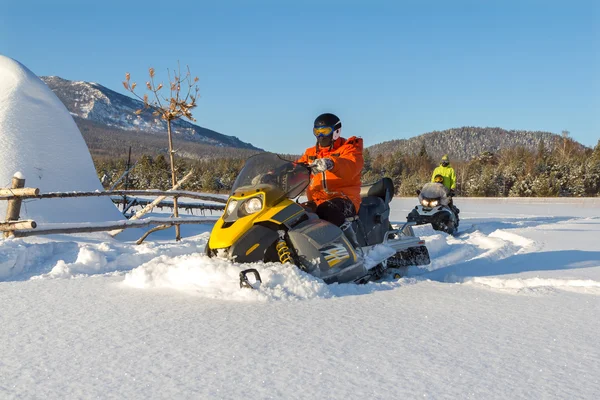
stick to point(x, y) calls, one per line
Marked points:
point(40, 140)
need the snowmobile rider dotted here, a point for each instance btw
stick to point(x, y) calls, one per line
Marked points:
point(447, 172)
point(336, 164)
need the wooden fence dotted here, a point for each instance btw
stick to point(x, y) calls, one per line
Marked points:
point(22, 228)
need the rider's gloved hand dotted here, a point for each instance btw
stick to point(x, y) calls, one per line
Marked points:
point(451, 193)
point(321, 165)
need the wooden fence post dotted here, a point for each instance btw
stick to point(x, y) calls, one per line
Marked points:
point(14, 205)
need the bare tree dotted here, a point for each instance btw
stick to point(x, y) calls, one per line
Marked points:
point(566, 144)
point(169, 108)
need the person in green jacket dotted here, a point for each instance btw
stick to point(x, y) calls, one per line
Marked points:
point(447, 172)
point(449, 180)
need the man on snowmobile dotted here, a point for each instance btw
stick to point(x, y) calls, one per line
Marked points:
point(447, 172)
point(336, 164)
point(448, 179)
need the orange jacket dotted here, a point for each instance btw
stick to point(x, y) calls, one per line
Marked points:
point(343, 180)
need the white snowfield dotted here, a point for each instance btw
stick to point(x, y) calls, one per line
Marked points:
point(509, 309)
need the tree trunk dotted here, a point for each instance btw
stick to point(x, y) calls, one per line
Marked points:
point(173, 179)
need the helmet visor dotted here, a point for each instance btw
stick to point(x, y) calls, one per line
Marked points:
point(322, 131)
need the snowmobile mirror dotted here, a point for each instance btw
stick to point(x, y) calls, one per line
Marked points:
point(418, 192)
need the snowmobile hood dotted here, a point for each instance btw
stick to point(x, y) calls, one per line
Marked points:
point(236, 220)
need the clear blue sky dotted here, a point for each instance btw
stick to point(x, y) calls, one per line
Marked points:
point(389, 69)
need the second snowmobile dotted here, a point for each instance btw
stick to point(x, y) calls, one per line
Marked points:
point(261, 222)
point(435, 208)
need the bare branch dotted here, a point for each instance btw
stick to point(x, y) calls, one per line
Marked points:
point(178, 81)
point(171, 108)
point(171, 86)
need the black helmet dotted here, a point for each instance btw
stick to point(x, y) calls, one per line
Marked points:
point(327, 128)
point(328, 119)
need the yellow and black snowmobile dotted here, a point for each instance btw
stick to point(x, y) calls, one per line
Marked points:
point(261, 222)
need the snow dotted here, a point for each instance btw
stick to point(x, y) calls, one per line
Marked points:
point(376, 254)
point(40, 140)
point(507, 309)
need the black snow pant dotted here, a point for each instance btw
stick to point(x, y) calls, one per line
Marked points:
point(335, 210)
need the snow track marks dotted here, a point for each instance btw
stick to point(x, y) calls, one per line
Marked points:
point(483, 253)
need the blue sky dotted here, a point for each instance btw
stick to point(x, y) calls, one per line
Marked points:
point(389, 69)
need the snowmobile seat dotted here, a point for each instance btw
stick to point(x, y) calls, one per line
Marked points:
point(373, 215)
point(384, 189)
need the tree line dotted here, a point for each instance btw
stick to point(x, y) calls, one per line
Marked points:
point(560, 168)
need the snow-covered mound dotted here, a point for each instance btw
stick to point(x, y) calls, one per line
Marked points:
point(39, 138)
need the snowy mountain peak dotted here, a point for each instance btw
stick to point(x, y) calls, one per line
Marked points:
point(96, 103)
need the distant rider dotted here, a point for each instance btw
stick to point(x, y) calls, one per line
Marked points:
point(336, 164)
point(447, 172)
point(448, 179)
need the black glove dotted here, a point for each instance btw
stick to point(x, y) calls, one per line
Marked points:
point(451, 193)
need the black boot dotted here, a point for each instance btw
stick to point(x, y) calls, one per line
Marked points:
point(351, 236)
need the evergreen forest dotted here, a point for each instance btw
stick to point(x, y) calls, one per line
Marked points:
point(559, 168)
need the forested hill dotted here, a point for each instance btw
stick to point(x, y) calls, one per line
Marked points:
point(465, 143)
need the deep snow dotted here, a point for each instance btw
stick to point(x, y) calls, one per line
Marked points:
point(508, 309)
point(40, 141)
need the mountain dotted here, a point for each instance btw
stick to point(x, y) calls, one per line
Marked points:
point(93, 105)
point(466, 142)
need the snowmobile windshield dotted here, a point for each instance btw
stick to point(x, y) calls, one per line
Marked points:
point(433, 191)
point(271, 170)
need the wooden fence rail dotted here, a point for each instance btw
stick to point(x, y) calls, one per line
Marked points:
point(170, 204)
point(166, 193)
point(18, 192)
point(24, 228)
point(9, 226)
point(80, 227)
